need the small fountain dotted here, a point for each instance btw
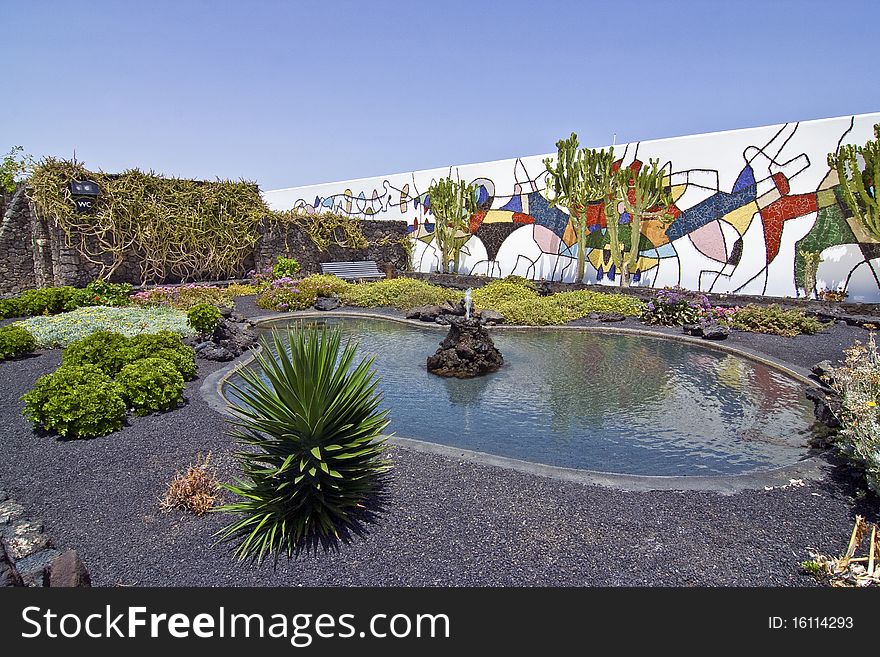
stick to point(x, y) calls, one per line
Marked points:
point(467, 351)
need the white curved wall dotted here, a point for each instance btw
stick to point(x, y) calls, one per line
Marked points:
point(749, 201)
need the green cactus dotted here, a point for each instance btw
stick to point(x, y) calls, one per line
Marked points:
point(857, 184)
point(644, 195)
point(452, 203)
point(578, 178)
point(811, 269)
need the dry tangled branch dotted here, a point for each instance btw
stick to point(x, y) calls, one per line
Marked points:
point(851, 570)
point(325, 228)
point(178, 228)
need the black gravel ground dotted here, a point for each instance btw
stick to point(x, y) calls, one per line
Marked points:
point(448, 522)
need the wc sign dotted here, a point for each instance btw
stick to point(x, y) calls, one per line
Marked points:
point(85, 193)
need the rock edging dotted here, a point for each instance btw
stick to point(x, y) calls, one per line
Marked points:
point(29, 556)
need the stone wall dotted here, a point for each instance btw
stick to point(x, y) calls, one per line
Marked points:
point(34, 252)
point(16, 246)
point(294, 242)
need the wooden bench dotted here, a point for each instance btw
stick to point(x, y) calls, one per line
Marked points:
point(353, 271)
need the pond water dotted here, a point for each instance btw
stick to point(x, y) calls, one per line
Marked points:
point(595, 401)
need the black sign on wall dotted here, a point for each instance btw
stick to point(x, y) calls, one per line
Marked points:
point(85, 193)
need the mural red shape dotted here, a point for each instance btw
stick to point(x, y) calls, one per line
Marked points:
point(476, 220)
point(596, 215)
point(780, 211)
point(520, 218)
point(781, 183)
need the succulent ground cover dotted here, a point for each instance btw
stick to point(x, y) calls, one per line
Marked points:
point(60, 330)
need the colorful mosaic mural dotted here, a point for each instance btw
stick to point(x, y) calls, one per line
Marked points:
point(748, 204)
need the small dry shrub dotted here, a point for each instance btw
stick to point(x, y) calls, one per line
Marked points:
point(195, 490)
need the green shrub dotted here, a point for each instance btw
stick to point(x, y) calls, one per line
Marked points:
point(15, 341)
point(583, 302)
point(503, 292)
point(10, 307)
point(151, 384)
point(520, 303)
point(542, 311)
point(323, 285)
point(54, 300)
point(773, 319)
point(400, 293)
point(286, 294)
point(284, 267)
point(103, 293)
point(521, 281)
point(42, 301)
point(105, 350)
point(61, 330)
point(242, 290)
point(184, 297)
point(516, 299)
point(312, 461)
point(283, 295)
point(76, 402)
point(167, 345)
point(204, 318)
point(857, 383)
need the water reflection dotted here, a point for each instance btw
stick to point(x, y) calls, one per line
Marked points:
point(616, 403)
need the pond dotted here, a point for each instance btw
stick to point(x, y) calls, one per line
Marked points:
point(591, 400)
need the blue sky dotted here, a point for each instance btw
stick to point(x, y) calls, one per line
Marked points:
point(295, 93)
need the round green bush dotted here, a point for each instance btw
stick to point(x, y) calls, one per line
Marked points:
point(167, 345)
point(400, 293)
point(285, 267)
point(15, 341)
point(151, 384)
point(76, 401)
point(106, 350)
point(204, 318)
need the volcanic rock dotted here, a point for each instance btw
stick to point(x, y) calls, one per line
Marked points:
point(466, 351)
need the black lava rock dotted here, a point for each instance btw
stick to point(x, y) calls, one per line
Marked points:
point(823, 407)
point(715, 331)
point(466, 352)
point(424, 313)
point(233, 336)
point(327, 303)
point(490, 317)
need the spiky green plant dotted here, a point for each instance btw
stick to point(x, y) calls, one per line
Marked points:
point(312, 428)
point(858, 183)
point(575, 180)
point(452, 203)
point(644, 194)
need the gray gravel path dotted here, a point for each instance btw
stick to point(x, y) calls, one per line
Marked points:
point(448, 521)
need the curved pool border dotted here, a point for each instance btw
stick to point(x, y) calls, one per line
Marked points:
point(810, 468)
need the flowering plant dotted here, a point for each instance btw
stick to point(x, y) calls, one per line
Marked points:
point(857, 382)
point(183, 297)
point(676, 306)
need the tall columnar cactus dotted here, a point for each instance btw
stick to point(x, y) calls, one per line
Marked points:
point(645, 195)
point(578, 178)
point(452, 203)
point(812, 259)
point(857, 183)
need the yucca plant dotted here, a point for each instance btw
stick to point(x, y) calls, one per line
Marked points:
point(311, 421)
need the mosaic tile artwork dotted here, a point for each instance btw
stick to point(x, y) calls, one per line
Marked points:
point(747, 204)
